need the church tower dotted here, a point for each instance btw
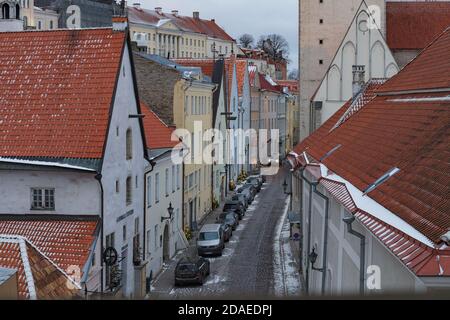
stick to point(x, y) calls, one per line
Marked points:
point(10, 16)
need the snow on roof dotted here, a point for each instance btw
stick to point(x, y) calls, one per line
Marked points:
point(44, 163)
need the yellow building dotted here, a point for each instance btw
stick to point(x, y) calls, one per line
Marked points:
point(175, 36)
point(181, 97)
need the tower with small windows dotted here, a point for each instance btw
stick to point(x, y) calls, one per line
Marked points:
point(11, 15)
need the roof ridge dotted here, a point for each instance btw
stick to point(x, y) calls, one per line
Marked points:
point(60, 30)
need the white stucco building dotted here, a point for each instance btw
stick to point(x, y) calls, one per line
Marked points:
point(371, 186)
point(86, 159)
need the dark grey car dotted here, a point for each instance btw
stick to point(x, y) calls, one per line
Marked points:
point(230, 218)
point(235, 206)
point(191, 270)
point(242, 198)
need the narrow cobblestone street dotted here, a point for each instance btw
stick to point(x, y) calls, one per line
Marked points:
point(258, 262)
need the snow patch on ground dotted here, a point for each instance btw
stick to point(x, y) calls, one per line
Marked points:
point(286, 276)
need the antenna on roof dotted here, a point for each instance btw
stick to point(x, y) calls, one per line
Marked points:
point(383, 178)
point(329, 153)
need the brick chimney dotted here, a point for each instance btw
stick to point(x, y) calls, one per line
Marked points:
point(359, 79)
point(196, 15)
point(175, 13)
point(158, 10)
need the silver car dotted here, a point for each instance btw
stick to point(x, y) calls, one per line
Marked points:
point(210, 240)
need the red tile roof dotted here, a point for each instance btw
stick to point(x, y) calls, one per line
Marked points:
point(38, 277)
point(429, 70)
point(266, 85)
point(292, 85)
point(207, 65)
point(65, 240)
point(413, 25)
point(57, 89)
point(207, 27)
point(241, 69)
point(408, 131)
point(157, 133)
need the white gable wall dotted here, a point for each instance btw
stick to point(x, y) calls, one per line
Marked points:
point(358, 47)
point(117, 168)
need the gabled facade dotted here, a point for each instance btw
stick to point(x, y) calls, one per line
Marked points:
point(372, 186)
point(78, 149)
point(362, 46)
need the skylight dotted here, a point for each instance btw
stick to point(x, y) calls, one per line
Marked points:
point(381, 180)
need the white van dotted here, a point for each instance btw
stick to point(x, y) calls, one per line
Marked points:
point(210, 240)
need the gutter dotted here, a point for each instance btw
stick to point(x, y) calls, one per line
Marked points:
point(98, 177)
point(362, 255)
point(311, 187)
point(325, 238)
point(153, 164)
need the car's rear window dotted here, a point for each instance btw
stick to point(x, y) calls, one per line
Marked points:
point(206, 236)
point(186, 267)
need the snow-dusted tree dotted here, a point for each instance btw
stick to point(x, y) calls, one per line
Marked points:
point(246, 41)
point(293, 75)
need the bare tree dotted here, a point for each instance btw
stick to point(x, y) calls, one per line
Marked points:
point(246, 41)
point(293, 75)
point(275, 45)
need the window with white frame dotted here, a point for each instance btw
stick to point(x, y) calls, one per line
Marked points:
point(42, 199)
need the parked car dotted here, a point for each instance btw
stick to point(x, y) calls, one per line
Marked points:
point(261, 179)
point(230, 218)
point(227, 230)
point(242, 198)
point(251, 188)
point(248, 193)
point(210, 240)
point(191, 270)
point(234, 206)
point(256, 182)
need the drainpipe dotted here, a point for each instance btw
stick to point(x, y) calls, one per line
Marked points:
point(144, 235)
point(98, 177)
point(362, 256)
point(325, 238)
point(311, 188)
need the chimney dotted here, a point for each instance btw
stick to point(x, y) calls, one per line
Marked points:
point(359, 79)
point(175, 13)
point(158, 10)
point(196, 15)
point(137, 5)
point(213, 20)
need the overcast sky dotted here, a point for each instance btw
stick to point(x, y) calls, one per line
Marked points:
point(256, 17)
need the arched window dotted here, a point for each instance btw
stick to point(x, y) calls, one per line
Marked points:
point(129, 146)
point(5, 11)
point(17, 12)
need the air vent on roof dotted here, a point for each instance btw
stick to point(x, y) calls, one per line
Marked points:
point(329, 153)
point(385, 177)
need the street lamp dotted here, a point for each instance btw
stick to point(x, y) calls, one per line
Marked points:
point(170, 211)
point(312, 258)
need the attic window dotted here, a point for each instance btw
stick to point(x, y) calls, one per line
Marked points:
point(320, 61)
point(321, 21)
point(381, 180)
